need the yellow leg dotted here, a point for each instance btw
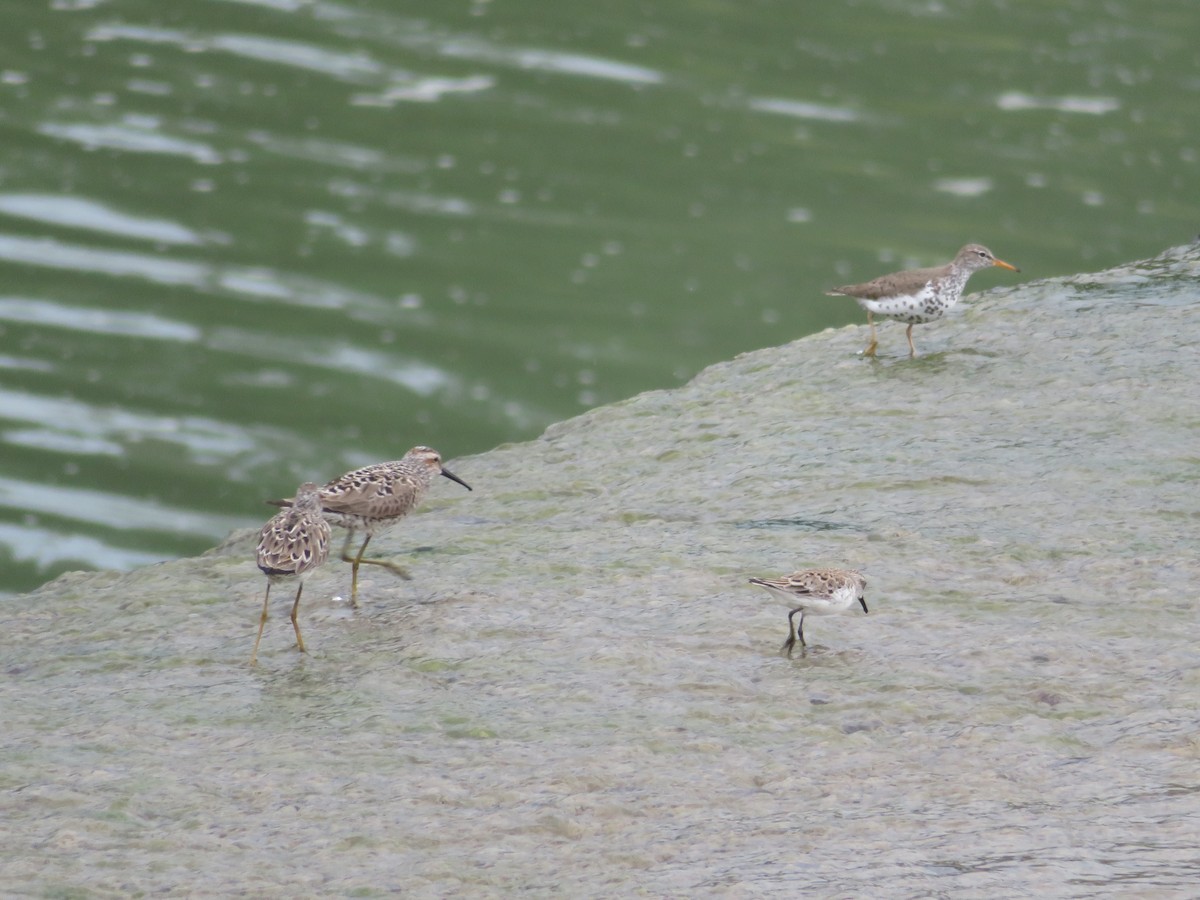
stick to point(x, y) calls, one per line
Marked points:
point(356, 561)
point(388, 564)
point(870, 351)
point(912, 351)
point(261, 622)
point(295, 622)
point(346, 557)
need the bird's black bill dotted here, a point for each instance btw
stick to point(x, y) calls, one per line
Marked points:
point(454, 477)
point(864, 604)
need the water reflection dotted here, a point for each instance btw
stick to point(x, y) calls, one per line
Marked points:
point(54, 314)
point(91, 215)
point(133, 136)
point(250, 243)
point(46, 548)
point(56, 254)
point(96, 429)
point(110, 510)
point(1093, 106)
point(356, 67)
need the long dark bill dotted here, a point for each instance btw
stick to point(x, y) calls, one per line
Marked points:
point(454, 477)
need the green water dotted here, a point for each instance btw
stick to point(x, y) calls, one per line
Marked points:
point(247, 244)
point(578, 694)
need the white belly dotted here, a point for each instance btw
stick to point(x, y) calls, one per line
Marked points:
point(923, 306)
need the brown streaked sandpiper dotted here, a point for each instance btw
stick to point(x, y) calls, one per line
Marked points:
point(815, 592)
point(291, 545)
point(374, 498)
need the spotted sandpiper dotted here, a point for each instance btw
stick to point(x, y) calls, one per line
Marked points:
point(918, 295)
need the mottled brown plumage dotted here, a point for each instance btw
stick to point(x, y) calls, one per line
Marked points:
point(376, 497)
point(816, 592)
point(917, 296)
point(291, 545)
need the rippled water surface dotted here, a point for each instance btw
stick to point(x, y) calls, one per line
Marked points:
point(245, 244)
point(578, 694)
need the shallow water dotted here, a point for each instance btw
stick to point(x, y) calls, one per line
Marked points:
point(578, 692)
point(250, 244)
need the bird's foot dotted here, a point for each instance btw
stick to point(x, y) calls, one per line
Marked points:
point(395, 568)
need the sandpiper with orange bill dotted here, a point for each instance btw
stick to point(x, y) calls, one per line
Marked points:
point(918, 296)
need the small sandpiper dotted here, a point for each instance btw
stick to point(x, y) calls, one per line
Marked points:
point(815, 592)
point(291, 545)
point(919, 295)
point(374, 498)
